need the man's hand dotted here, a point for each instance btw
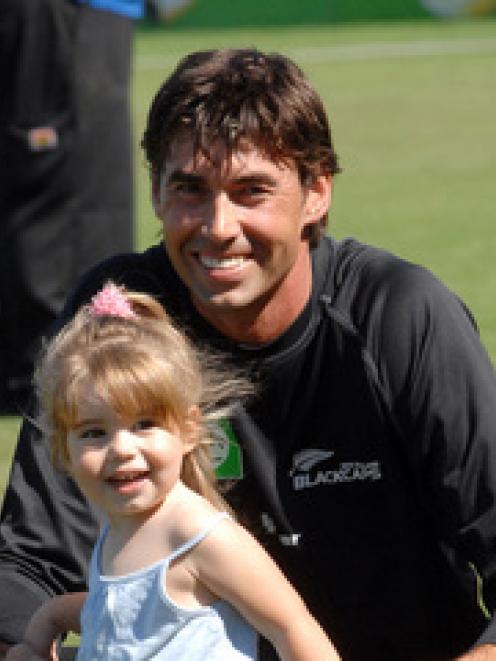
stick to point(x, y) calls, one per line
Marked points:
point(4, 648)
point(24, 652)
point(482, 653)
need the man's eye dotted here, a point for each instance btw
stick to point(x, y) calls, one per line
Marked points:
point(251, 193)
point(187, 188)
point(254, 190)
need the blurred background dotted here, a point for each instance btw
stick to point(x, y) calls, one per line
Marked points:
point(410, 88)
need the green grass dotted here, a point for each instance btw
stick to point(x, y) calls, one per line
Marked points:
point(412, 110)
point(223, 13)
point(9, 428)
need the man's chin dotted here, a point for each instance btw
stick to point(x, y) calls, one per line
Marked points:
point(224, 303)
point(220, 303)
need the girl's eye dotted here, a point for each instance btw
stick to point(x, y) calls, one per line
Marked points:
point(92, 432)
point(145, 423)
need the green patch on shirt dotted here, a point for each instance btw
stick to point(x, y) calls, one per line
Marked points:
point(226, 453)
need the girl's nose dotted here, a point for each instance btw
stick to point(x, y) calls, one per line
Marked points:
point(123, 443)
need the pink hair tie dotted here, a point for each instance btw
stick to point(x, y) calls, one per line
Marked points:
point(111, 302)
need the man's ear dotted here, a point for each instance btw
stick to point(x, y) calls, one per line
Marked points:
point(155, 191)
point(190, 432)
point(318, 199)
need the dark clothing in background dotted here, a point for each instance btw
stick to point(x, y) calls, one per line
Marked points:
point(65, 165)
point(369, 455)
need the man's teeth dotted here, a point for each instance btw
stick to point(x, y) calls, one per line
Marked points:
point(221, 262)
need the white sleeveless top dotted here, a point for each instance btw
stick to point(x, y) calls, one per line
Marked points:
point(132, 617)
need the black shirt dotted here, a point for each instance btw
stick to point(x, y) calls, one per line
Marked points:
point(369, 453)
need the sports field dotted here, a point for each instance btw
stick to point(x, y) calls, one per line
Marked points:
point(412, 106)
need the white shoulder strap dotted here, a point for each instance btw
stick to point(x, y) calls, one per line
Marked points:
point(184, 548)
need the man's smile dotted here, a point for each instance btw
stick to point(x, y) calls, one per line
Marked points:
point(210, 262)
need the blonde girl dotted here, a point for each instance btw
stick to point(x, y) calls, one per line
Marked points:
point(129, 408)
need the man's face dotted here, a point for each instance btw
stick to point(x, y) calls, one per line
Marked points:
point(234, 231)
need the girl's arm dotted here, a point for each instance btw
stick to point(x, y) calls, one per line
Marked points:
point(233, 565)
point(55, 617)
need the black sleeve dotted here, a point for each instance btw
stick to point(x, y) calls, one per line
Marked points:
point(46, 535)
point(46, 529)
point(442, 388)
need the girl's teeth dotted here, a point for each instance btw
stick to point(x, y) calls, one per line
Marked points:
point(127, 476)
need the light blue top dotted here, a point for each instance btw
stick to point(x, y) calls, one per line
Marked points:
point(131, 617)
point(131, 8)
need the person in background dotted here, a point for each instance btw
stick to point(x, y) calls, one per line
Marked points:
point(64, 76)
point(366, 465)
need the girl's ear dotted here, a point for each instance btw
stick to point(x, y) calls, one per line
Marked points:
point(190, 432)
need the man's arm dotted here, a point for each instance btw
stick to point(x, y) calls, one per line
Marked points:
point(443, 390)
point(46, 528)
point(46, 535)
point(56, 617)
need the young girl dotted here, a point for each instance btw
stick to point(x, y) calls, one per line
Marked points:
point(129, 408)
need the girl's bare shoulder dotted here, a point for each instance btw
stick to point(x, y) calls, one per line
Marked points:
point(192, 515)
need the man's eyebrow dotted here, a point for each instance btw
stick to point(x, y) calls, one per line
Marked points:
point(179, 176)
point(256, 177)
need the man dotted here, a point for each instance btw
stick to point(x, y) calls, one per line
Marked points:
point(368, 457)
point(64, 75)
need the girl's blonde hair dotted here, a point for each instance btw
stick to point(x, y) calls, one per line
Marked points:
point(139, 365)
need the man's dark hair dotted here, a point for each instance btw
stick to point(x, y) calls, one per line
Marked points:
point(242, 95)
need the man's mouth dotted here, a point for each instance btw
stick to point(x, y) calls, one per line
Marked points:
point(210, 262)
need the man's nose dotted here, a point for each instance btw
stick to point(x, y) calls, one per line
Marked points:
point(222, 223)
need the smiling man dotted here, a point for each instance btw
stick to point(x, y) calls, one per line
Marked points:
point(366, 464)
point(235, 230)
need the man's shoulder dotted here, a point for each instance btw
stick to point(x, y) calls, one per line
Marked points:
point(149, 271)
point(358, 270)
point(368, 285)
point(152, 259)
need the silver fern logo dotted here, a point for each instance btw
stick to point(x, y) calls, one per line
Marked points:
point(306, 472)
point(306, 459)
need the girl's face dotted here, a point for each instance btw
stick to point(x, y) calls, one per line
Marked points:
point(125, 467)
